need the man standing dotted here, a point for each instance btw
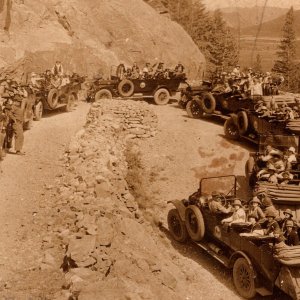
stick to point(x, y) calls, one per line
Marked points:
point(57, 69)
point(16, 116)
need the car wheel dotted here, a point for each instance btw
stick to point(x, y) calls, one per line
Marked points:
point(243, 278)
point(231, 130)
point(194, 223)
point(38, 111)
point(194, 110)
point(208, 103)
point(126, 88)
point(103, 94)
point(52, 98)
point(162, 97)
point(176, 226)
point(242, 121)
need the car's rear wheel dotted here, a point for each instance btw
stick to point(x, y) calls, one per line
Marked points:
point(231, 130)
point(194, 223)
point(176, 226)
point(162, 97)
point(243, 278)
point(126, 88)
point(103, 94)
point(194, 110)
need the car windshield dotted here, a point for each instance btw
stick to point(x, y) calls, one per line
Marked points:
point(280, 142)
point(223, 184)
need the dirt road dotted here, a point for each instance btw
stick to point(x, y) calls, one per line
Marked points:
point(23, 199)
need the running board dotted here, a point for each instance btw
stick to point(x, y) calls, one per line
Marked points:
point(220, 258)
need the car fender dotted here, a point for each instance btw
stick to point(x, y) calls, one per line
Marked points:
point(239, 254)
point(234, 118)
point(161, 87)
point(180, 207)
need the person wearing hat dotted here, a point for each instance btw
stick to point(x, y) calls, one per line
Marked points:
point(215, 206)
point(290, 234)
point(16, 116)
point(268, 205)
point(255, 209)
point(256, 88)
point(273, 227)
point(277, 161)
point(253, 222)
point(57, 69)
point(236, 71)
point(288, 216)
point(290, 157)
point(238, 216)
point(286, 176)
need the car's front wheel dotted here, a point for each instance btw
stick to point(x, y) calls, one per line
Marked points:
point(194, 223)
point(176, 226)
point(243, 278)
point(231, 130)
point(162, 96)
point(194, 110)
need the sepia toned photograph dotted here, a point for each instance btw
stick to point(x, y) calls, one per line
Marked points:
point(149, 149)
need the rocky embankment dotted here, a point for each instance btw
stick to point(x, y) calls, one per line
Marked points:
point(107, 248)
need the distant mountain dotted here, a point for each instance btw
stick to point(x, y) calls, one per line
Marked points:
point(250, 16)
point(273, 28)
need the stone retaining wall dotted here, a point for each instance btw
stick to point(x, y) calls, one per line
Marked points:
point(108, 253)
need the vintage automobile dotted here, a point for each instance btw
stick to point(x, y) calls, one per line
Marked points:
point(190, 92)
point(160, 89)
point(255, 266)
point(56, 93)
point(248, 124)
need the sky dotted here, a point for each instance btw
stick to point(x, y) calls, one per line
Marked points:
point(213, 4)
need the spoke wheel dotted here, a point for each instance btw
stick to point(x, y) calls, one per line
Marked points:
point(231, 130)
point(176, 226)
point(243, 278)
point(194, 110)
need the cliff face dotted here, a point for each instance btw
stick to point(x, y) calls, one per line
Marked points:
point(91, 36)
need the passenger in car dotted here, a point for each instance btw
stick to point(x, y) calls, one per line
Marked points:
point(238, 216)
point(269, 207)
point(273, 227)
point(288, 217)
point(254, 224)
point(255, 209)
point(290, 234)
point(215, 206)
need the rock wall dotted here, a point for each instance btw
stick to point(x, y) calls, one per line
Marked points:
point(91, 36)
point(109, 254)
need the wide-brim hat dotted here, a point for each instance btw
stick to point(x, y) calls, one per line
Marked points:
point(292, 149)
point(288, 212)
point(289, 223)
point(255, 200)
point(237, 202)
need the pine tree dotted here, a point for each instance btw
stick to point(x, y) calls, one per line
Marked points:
point(286, 53)
point(257, 64)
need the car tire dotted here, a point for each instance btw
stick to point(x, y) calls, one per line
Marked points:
point(208, 103)
point(176, 226)
point(52, 98)
point(126, 88)
point(194, 223)
point(38, 111)
point(242, 121)
point(103, 94)
point(243, 278)
point(194, 110)
point(231, 130)
point(161, 97)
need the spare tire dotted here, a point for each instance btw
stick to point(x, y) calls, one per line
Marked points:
point(126, 88)
point(161, 96)
point(242, 122)
point(103, 94)
point(208, 103)
point(194, 223)
point(52, 99)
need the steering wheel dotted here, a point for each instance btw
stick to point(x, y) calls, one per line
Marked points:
point(221, 198)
